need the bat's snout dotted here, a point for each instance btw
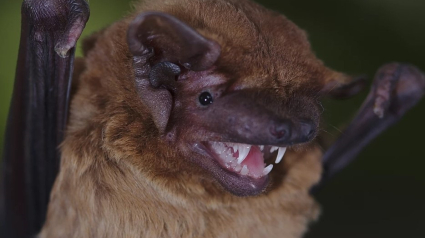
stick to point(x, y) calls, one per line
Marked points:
point(241, 119)
point(281, 131)
point(289, 132)
point(247, 132)
point(307, 130)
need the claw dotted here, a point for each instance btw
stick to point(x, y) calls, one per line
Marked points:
point(396, 89)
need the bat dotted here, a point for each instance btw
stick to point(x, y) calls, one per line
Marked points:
point(161, 93)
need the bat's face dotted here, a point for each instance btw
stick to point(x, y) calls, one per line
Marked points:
point(238, 125)
point(229, 96)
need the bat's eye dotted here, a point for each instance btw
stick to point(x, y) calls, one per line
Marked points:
point(205, 98)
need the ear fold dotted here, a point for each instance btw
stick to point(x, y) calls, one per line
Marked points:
point(172, 40)
point(340, 86)
point(155, 37)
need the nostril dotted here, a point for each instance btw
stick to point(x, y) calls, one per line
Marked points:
point(307, 129)
point(281, 131)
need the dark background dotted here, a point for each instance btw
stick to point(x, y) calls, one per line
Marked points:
point(382, 193)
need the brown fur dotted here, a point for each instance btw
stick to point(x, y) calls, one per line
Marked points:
point(119, 178)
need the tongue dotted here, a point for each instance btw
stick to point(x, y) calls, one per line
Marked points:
point(255, 162)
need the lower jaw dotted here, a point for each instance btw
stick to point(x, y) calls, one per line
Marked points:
point(230, 181)
point(242, 186)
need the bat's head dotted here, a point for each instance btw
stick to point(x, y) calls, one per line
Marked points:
point(228, 93)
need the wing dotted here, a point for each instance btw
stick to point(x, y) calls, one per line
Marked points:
point(395, 89)
point(38, 111)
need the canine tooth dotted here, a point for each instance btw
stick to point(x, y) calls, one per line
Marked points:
point(243, 152)
point(242, 155)
point(261, 147)
point(267, 169)
point(244, 170)
point(280, 154)
point(274, 148)
point(235, 148)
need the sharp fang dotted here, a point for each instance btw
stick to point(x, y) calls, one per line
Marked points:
point(267, 169)
point(274, 148)
point(280, 154)
point(243, 152)
point(261, 147)
point(235, 148)
point(244, 170)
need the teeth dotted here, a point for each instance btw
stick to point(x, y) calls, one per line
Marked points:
point(243, 152)
point(280, 154)
point(267, 169)
point(274, 148)
point(227, 151)
point(238, 167)
point(244, 170)
point(218, 147)
point(235, 148)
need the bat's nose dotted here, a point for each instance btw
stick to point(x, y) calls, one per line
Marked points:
point(281, 131)
point(307, 130)
point(287, 131)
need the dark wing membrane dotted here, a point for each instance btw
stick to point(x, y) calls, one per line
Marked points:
point(395, 90)
point(38, 111)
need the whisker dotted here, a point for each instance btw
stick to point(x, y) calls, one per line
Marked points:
point(327, 132)
point(336, 128)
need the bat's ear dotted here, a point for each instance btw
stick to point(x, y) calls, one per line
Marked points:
point(338, 85)
point(172, 41)
point(161, 44)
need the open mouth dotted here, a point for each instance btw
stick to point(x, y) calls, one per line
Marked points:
point(242, 169)
point(254, 161)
